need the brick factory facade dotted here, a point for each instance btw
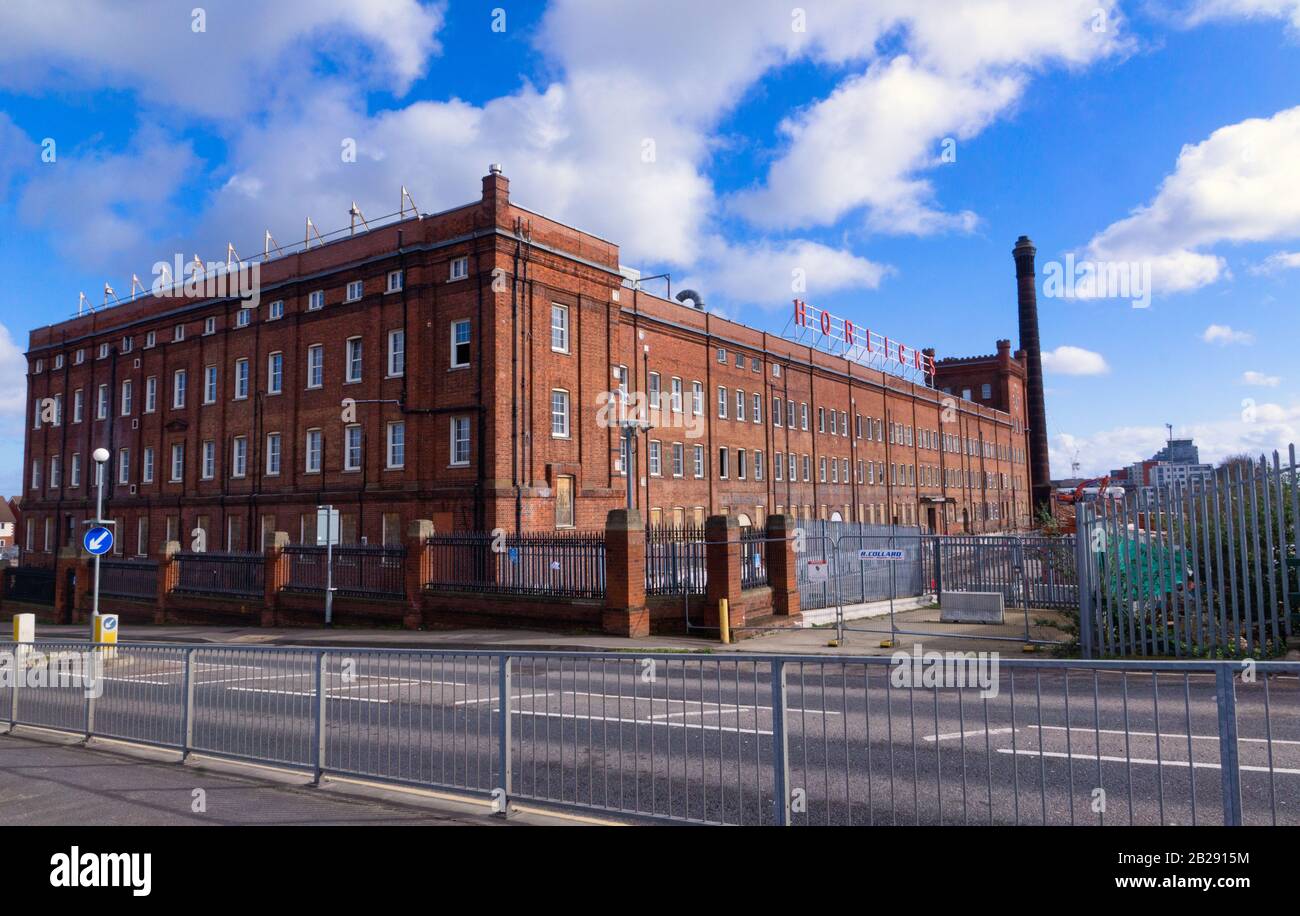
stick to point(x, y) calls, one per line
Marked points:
point(480, 345)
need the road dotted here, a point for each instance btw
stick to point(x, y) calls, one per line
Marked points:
point(692, 738)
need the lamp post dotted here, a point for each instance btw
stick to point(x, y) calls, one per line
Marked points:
point(101, 456)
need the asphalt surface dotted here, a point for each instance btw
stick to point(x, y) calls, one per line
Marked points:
point(692, 738)
point(44, 783)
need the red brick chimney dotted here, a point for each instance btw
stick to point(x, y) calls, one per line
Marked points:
point(1035, 409)
point(496, 193)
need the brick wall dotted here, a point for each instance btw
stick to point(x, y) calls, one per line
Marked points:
point(519, 266)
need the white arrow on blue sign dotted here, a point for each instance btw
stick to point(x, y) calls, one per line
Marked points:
point(880, 554)
point(98, 541)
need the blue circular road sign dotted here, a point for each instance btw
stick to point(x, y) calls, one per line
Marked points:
point(98, 541)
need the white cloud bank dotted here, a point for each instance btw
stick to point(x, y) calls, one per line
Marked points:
point(1068, 360)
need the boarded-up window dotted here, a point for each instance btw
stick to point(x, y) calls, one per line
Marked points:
point(564, 502)
point(307, 528)
point(347, 528)
point(235, 532)
point(268, 531)
point(392, 529)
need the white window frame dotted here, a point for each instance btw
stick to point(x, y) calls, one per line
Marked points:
point(316, 300)
point(456, 442)
point(317, 369)
point(313, 451)
point(274, 454)
point(180, 381)
point(560, 426)
point(239, 457)
point(355, 290)
point(351, 431)
point(458, 269)
point(560, 330)
point(468, 343)
point(395, 451)
point(275, 372)
point(353, 356)
point(396, 353)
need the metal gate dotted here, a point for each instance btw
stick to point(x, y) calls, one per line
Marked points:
point(890, 581)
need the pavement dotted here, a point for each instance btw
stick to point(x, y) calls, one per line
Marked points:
point(51, 779)
point(866, 627)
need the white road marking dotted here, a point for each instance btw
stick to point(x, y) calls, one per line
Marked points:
point(700, 726)
point(948, 736)
point(307, 693)
point(518, 696)
point(1118, 731)
point(1105, 758)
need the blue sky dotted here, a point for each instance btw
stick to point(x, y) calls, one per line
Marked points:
point(1160, 137)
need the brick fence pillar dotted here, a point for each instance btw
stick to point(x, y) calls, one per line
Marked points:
point(722, 560)
point(416, 570)
point(625, 611)
point(169, 571)
point(782, 572)
point(275, 576)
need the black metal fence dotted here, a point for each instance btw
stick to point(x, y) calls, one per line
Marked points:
point(359, 571)
point(568, 564)
point(238, 575)
point(675, 561)
point(753, 558)
point(134, 578)
point(29, 584)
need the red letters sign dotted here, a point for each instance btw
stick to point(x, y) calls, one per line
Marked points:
point(841, 337)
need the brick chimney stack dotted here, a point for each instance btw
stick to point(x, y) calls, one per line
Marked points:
point(496, 193)
point(1035, 407)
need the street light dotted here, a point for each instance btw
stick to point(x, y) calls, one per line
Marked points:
point(101, 456)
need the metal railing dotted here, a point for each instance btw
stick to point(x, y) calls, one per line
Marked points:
point(359, 571)
point(238, 575)
point(739, 739)
point(561, 564)
point(753, 559)
point(134, 578)
point(675, 561)
point(31, 584)
point(1193, 570)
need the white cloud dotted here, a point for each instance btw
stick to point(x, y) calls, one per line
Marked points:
point(962, 67)
point(1223, 335)
point(1258, 429)
point(765, 273)
point(99, 207)
point(1259, 379)
point(13, 380)
point(1207, 10)
point(1068, 360)
point(1278, 261)
point(249, 50)
point(1238, 185)
point(574, 145)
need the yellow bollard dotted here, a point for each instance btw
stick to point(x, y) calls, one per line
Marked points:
point(724, 621)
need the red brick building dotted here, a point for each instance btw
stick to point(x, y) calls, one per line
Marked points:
point(480, 345)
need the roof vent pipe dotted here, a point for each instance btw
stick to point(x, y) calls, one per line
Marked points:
point(693, 296)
